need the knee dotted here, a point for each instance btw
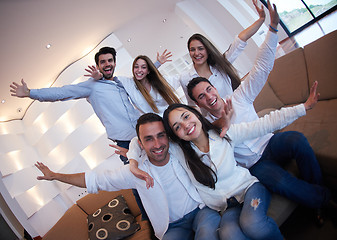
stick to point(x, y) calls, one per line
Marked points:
point(296, 138)
point(257, 228)
point(229, 231)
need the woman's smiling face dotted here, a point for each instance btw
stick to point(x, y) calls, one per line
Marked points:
point(140, 70)
point(185, 124)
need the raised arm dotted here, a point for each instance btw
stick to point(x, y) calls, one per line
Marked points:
point(18, 90)
point(240, 42)
point(264, 62)
point(164, 57)
point(132, 156)
point(274, 121)
point(252, 29)
point(76, 179)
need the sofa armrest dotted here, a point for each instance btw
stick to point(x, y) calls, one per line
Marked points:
point(72, 225)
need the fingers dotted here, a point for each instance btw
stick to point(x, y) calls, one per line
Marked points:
point(223, 132)
point(313, 91)
point(149, 181)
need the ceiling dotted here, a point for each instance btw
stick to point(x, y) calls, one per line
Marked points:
point(73, 28)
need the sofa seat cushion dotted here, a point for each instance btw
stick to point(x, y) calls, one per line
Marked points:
point(145, 232)
point(73, 225)
point(112, 221)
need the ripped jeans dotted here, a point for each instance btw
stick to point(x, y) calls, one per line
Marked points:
point(249, 220)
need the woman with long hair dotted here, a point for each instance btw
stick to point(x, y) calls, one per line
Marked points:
point(210, 63)
point(148, 89)
point(222, 184)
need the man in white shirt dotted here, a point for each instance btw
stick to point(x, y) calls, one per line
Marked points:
point(173, 205)
point(266, 156)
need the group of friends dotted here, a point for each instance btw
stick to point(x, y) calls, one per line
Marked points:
point(205, 169)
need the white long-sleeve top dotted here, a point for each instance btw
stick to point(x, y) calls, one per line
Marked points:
point(234, 180)
point(249, 152)
point(139, 101)
point(155, 200)
point(220, 81)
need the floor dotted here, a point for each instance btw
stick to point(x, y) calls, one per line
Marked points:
point(300, 226)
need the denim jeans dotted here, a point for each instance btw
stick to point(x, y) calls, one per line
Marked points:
point(281, 149)
point(199, 224)
point(250, 220)
point(124, 144)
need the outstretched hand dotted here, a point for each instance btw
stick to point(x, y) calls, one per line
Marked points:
point(164, 57)
point(313, 97)
point(94, 73)
point(18, 90)
point(141, 174)
point(274, 17)
point(47, 173)
point(119, 150)
point(260, 10)
point(227, 114)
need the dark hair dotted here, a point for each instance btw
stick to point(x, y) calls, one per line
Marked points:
point(193, 83)
point(105, 50)
point(202, 173)
point(217, 60)
point(158, 82)
point(147, 118)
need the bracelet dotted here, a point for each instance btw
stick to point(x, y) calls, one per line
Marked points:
point(273, 28)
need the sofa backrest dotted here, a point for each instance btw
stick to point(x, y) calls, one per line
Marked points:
point(321, 59)
point(287, 82)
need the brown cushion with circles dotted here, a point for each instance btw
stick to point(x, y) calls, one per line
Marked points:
point(112, 221)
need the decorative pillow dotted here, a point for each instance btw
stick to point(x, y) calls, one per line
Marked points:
point(112, 221)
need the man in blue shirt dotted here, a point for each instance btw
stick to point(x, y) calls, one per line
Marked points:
point(107, 97)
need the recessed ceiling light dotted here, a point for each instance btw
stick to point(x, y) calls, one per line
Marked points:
point(164, 20)
point(3, 101)
point(129, 40)
point(48, 46)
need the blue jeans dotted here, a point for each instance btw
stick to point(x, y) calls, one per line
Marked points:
point(124, 144)
point(281, 149)
point(199, 224)
point(250, 220)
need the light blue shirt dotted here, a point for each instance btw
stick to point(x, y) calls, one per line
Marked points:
point(108, 99)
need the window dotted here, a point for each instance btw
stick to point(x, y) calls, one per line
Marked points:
point(296, 15)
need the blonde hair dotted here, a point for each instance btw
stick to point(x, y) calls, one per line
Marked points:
point(157, 81)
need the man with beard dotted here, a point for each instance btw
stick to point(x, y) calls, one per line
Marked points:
point(174, 206)
point(107, 97)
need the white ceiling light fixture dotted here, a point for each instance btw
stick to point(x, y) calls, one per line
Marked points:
point(164, 20)
point(48, 46)
point(3, 101)
point(129, 40)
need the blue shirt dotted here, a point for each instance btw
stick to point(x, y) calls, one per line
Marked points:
point(108, 99)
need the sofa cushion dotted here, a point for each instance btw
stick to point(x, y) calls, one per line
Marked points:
point(73, 225)
point(112, 221)
point(321, 59)
point(320, 128)
point(91, 202)
point(289, 79)
point(267, 99)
